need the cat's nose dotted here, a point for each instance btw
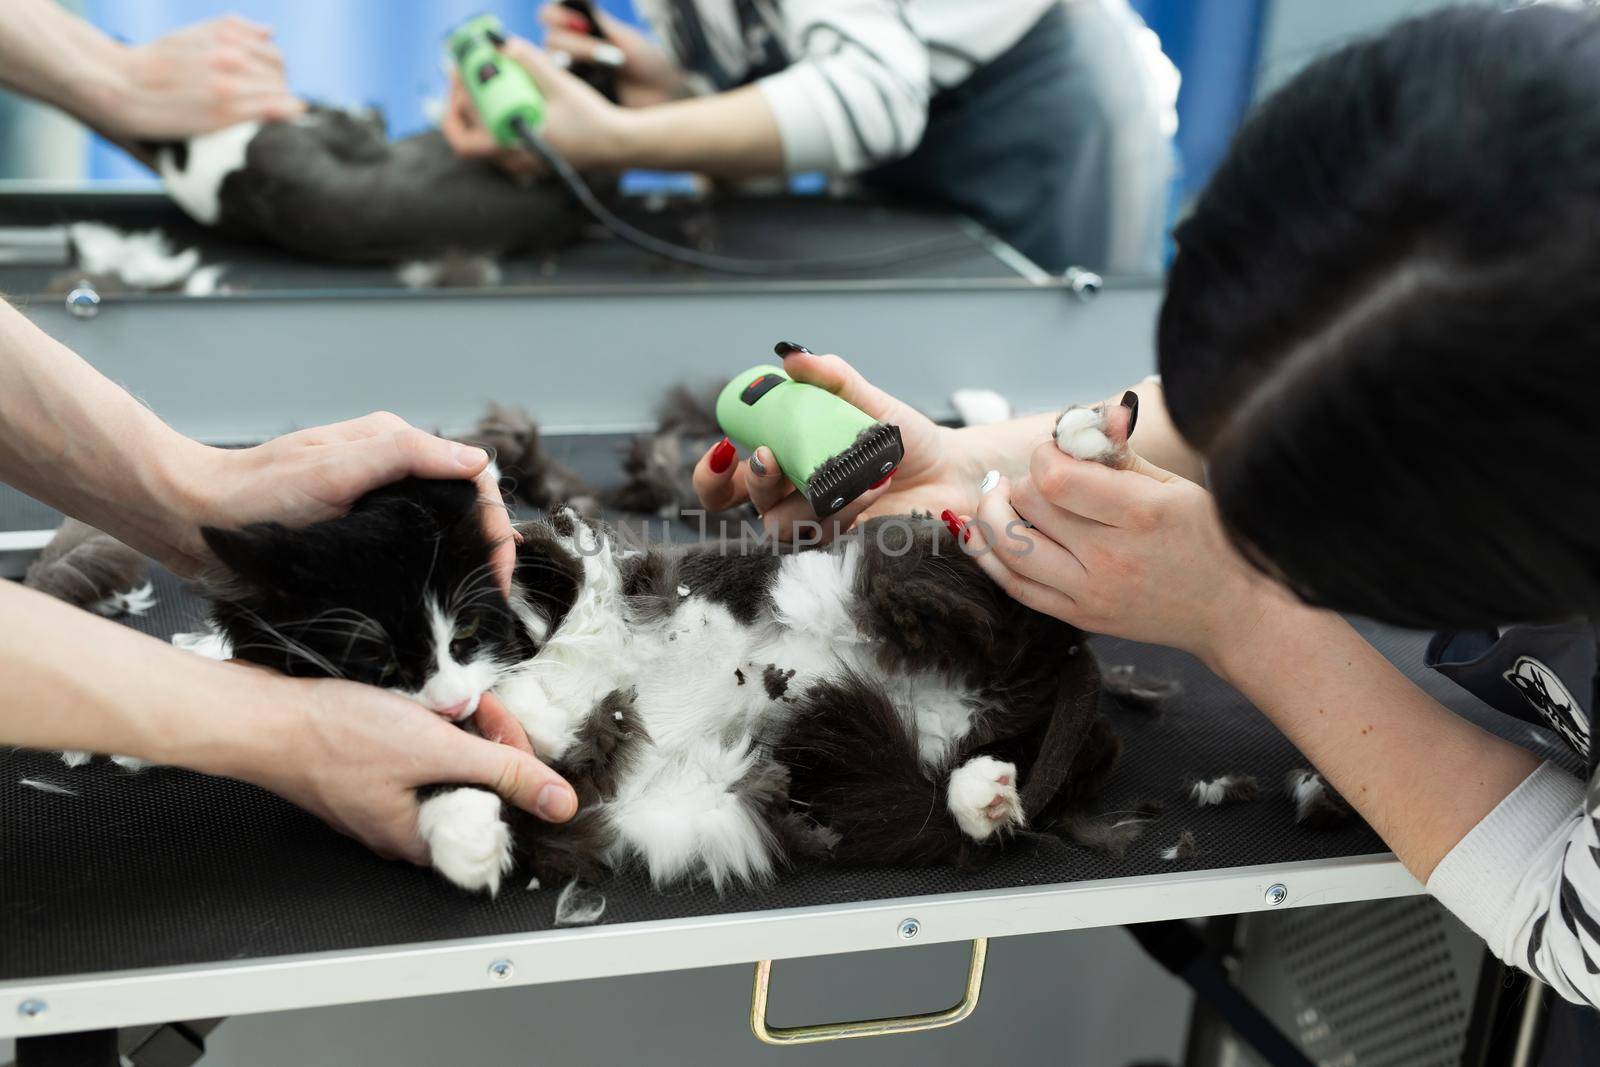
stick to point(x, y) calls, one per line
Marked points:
point(454, 711)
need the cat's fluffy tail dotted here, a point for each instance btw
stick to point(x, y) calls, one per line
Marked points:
point(92, 570)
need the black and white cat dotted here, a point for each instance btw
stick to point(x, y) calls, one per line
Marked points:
point(721, 710)
point(331, 184)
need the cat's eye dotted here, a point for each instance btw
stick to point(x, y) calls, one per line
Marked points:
point(466, 630)
point(390, 669)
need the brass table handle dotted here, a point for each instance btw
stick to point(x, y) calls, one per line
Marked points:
point(903, 1024)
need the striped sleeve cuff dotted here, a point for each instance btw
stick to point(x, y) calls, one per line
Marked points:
point(798, 96)
point(1507, 867)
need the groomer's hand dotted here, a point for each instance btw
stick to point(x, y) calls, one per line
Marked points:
point(588, 130)
point(645, 73)
point(937, 472)
point(197, 79)
point(1136, 552)
point(316, 474)
point(353, 755)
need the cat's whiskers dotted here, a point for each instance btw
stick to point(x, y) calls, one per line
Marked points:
point(288, 644)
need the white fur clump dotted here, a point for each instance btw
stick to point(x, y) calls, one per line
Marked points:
point(130, 602)
point(197, 188)
point(142, 260)
point(1080, 433)
point(1223, 789)
point(454, 271)
point(212, 644)
point(46, 787)
point(75, 758)
point(1184, 848)
point(980, 407)
point(579, 905)
point(982, 796)
point(206, 281)
point(131, 764)
point(1307, 789)
point(677, 813)
point(467, 840)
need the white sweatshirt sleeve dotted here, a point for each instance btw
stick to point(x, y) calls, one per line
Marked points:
point(857, 93)
point(1527, 880)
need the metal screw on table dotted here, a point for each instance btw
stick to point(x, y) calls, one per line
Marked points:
point(83, 302)
point(1277, 893)
point(32, 1008)
point(909, 929)
point(1083, 283)
point(500, 970)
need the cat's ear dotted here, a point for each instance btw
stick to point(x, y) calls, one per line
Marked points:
point(261, 556)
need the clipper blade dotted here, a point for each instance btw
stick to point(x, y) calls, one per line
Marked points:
point(839, 480)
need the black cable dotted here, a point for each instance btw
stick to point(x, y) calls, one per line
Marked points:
point(883, 257)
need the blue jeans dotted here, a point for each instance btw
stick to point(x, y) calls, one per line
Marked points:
point(1053, 145)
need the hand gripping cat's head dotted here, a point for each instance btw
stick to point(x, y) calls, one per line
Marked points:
point(397, 593)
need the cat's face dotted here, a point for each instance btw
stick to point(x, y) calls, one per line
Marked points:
point(398, 593)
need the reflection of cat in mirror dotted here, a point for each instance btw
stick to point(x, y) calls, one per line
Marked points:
point(331, 184)
point(721, 711)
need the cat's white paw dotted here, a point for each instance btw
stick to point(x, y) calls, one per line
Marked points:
point(983, 797)
point(1081, 434)
point(468, 841)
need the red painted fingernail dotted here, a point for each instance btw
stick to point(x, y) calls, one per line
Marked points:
point(722, 456)
point(952, 522)
point(881, 481)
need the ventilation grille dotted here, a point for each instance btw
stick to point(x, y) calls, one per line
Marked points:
point(1378, 984)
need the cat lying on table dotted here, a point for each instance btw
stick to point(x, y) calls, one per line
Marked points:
point(720, 713)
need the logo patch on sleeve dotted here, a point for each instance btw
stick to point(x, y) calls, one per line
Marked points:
point(1541, 687)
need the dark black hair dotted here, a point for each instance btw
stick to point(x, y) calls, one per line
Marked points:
point(1382, 328)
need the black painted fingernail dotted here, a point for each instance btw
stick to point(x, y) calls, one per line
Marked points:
point(789, 348)
point(756, 465)
point(1130, 400)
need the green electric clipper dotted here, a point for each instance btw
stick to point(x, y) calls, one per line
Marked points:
point(507, 100)
point(832, 451)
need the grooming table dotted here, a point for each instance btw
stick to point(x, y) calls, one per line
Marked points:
point(590, 332)
point(144, 898)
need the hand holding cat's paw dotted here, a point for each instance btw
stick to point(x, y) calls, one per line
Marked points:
point(468, 842)
point(982, 796)
point(1099, 432)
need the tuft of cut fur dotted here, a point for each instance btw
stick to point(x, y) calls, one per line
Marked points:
point(142, 260)
point(1317, 805)
point(454, 270)
point(527, 470)
point(579, 905)
point(658, 467)
point(1132, 687)
point(980, 407)
point(1182, 849)
point(1224, 789)
point(92, 570)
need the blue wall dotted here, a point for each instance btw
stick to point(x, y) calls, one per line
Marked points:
point(1215, 45)
point(386, 52)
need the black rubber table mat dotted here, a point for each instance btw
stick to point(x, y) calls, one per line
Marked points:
point(169, 867)
point(756, 227)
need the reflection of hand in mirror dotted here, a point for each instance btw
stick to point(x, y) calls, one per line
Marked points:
point(579, 123)
point(645, 74)
point(198, 79)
